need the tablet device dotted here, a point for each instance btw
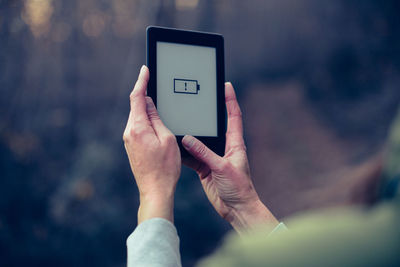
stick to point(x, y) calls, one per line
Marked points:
point(186, 83)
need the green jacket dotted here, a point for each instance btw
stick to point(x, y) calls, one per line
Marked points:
point(352, 237)
point(342, 237)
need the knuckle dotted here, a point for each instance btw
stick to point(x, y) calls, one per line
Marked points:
point(153, 115)
point(235, 111)
point(230, 98)
point(126, 137)
point(137, 131)
point(132, 133)
point(132, 96)
point(240, 114)
point(137, 119)
point(201, 150)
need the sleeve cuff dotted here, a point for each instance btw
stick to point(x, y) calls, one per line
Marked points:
point(151, 226)
point(281, 227)
point(154, 242)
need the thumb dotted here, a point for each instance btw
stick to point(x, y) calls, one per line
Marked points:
point(201, 152)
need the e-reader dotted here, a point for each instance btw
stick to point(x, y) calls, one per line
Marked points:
point(187, 77)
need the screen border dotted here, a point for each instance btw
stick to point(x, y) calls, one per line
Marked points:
point(156, 34)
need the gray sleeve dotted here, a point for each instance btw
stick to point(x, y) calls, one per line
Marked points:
point(154, 242)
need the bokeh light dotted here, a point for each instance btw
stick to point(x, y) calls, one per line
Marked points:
point(186, 4)
point(37, 15)
point(124, 22)
point(317, 82)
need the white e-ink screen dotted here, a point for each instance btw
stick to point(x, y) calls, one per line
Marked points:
point(187, 88)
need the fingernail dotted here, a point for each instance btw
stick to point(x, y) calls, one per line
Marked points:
point(141, 69)
point(188, 141)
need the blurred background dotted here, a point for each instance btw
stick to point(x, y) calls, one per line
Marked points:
point(317, 81)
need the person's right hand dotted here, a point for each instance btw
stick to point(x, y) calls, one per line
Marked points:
point(226, 180)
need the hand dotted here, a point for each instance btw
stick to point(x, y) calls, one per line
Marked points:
point(153, 154)
point(226, 180)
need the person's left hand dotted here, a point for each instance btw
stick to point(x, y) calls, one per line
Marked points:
point(226, 180)
point(153, 154)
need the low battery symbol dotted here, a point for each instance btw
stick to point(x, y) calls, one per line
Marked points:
point(184, 86)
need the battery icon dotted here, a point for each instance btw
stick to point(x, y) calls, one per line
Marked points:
point(184, 86)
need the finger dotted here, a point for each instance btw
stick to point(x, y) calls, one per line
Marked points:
point(137, 97)
point(202, 153)
point(234, 133)
point(158, 125)
point(200, 168)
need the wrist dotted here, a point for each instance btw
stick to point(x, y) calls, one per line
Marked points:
point(156, 206)
point(245, 218)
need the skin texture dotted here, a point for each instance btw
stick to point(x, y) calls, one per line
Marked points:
point(153, 154)
point(156, 163)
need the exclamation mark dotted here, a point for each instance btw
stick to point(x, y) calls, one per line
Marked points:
point(185, 87)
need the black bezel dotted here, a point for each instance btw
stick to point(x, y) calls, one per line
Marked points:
point(154, 34)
